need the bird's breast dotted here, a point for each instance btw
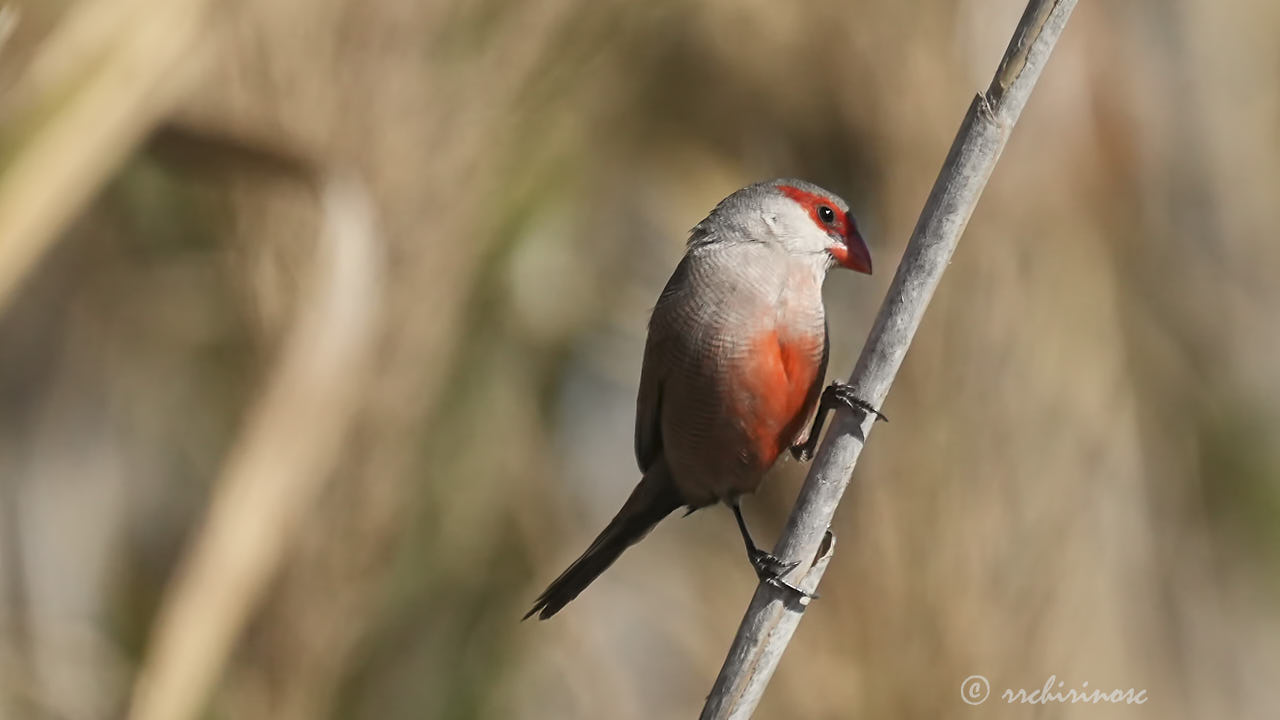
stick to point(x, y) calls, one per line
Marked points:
point(743, 346)
point(773, 390)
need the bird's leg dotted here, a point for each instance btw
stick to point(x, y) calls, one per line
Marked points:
point(769, 567)
point(766, 564)
point(835, 395)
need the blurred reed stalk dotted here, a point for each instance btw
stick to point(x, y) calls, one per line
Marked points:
point(107, 74)
point(105, 77)
point(289, 446)
point(772, 617)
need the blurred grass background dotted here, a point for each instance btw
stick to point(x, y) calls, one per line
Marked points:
point(1082, 475)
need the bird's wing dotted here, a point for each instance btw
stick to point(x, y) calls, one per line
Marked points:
point(648, 414)
point(657, 363)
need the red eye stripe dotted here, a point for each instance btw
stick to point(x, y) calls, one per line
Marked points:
point(811, 202)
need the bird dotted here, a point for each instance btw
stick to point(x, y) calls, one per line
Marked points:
point(734, 366)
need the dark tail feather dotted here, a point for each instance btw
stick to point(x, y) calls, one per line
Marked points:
point(652, 500)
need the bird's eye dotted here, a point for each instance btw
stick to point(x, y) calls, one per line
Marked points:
point(826, 214)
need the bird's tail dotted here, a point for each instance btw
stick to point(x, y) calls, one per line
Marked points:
point(652, 500)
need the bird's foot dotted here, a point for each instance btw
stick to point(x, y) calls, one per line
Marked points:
point(796, 595)
point(837, 393)
point(771, 569)
point(769, 566)
point(803, 451)
point(843, 393)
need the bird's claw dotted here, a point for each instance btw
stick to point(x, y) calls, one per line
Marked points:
point(769, 566)
point(837, 393)
point(843, 392)
point(771, 569)
point(798, 595)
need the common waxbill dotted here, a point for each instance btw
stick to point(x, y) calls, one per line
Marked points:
point(733, 366)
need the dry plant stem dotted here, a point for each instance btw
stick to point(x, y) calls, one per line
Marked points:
point(770, 620)
point(288, 446)
point(107, 76)
point(108, 72)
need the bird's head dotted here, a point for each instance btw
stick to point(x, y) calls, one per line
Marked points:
point(808, 219)
point(802, 218)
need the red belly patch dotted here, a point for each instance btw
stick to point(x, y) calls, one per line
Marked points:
point(779, 375)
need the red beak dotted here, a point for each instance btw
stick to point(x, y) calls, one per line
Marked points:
point(854, 253)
